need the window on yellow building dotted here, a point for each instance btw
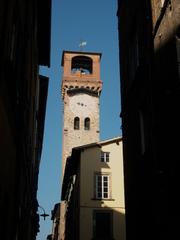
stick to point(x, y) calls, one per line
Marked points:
point(105, 156)
point(102, 186)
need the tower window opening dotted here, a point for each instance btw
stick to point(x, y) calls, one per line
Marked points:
point(82, 64)
point(87, 124)
point(76, 123)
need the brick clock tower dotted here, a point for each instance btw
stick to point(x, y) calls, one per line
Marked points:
point(81, 88)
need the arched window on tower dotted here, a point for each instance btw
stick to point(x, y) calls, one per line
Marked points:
point(87, 123)
point(82, 64)
point(76, 123)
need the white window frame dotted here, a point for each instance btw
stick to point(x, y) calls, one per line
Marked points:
point(105, 156)
point(102, 186)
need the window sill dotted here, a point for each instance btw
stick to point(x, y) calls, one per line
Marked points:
point(103, 199)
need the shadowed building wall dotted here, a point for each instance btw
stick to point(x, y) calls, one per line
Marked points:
point(24, 45)
point(150, 93)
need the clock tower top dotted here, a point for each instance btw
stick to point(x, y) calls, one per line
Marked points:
point(81, 72)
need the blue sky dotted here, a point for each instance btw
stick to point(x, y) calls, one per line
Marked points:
point(95, 22)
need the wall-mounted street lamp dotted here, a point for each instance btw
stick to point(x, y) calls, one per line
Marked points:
point(44, 215)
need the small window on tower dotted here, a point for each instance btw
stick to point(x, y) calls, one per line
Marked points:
point(76, 123)
point(87, 124)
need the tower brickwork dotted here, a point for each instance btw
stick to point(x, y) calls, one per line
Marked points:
point(81, 88)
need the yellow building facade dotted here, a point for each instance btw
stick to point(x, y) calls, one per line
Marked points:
point(93, 189)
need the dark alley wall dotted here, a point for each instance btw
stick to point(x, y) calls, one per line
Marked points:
point(23, 95)
point(150, 94)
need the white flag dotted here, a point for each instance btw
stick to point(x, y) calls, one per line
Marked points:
point(82, 44)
